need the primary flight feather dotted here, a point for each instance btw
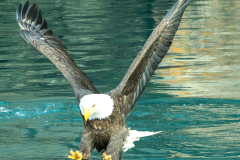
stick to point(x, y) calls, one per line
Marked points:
point(103, 114)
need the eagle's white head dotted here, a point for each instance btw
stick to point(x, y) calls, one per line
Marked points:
point(96, 106)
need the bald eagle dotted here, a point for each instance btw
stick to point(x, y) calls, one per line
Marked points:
point(103, 114)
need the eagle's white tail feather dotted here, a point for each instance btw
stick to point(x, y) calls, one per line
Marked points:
point(135, 135)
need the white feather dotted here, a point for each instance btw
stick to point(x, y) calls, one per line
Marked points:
point(135, 135)
point(103, 105)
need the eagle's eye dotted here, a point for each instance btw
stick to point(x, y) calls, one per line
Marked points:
point(94, 106)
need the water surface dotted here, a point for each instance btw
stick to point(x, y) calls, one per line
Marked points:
point(193, 96)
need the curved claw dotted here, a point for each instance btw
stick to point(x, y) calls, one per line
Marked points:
point(75, 155)
point(105, 157)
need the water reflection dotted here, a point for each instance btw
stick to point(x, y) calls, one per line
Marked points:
point(205, 53)
point(202, 62)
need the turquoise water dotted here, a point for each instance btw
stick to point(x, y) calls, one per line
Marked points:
point(192, 128)
point(193, 98)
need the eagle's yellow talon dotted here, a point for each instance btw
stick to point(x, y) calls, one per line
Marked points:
point(71, 157)
point(72, 153)
point(75, 155)
point(105, 157)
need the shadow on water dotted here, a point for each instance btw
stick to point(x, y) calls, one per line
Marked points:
point(193, 96)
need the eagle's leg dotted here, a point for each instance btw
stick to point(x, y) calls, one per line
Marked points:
point(86, 144)
point(86, 147)
point(114, 148)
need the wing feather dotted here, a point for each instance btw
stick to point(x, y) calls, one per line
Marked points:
point(152, 53)
point(35, 31)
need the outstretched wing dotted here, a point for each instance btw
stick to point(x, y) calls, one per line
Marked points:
point(152, 53)
point(35, 31)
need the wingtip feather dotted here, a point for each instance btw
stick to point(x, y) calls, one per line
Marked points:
point(43, 25)
point(39, 17)
point(18, 12)
point(30, 11)
point(24, 10)
point(179, 5)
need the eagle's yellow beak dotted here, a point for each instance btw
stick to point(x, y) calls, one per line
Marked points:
point(88, 112)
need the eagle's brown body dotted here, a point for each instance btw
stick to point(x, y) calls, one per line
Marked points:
point(106, 134)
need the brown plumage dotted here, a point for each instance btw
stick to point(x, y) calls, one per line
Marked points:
point(108, 133)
